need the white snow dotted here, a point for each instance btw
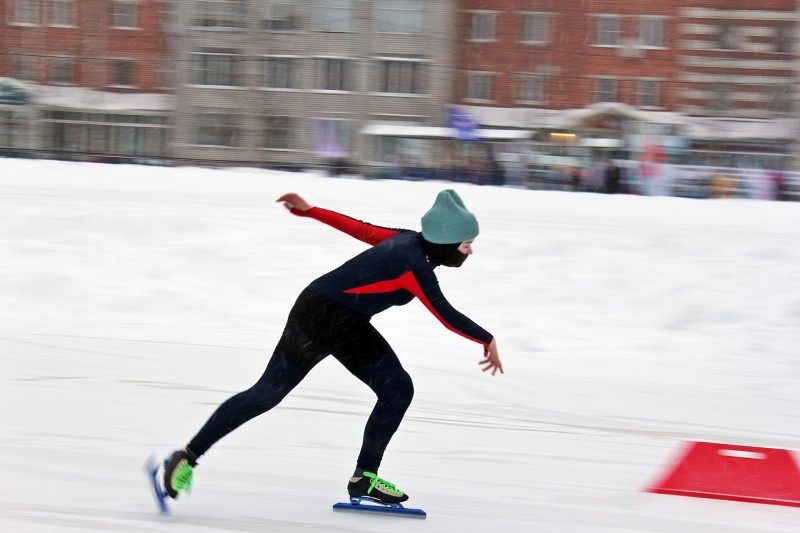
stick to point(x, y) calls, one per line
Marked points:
point(134, 300)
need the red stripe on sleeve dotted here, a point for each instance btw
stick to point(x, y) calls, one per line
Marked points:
point(409, 282)
point(358, 229)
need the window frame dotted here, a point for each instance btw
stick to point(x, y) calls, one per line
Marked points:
point(601, 33)
point(324, 8)
point(656, 94)
point(125, 20)
point(59, 65)
point(203, 75)
point(289, 132)
point(228, 127)
point(526, 17)
point(537, 78)
point(123, 72)
point(598, 90)
point(271, 23)
point(66, 9)
point(486, 81)
point(661, 30)
point(410, 21)
point(476, 28)
point(25, 13)
point(346, 77)
point(208, 16)
point(394, 72)
point(294, 72)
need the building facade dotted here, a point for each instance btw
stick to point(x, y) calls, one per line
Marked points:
point(295, 83)
point(715, 79)
point(282, 83)
point(566, 55)
point(90, 78)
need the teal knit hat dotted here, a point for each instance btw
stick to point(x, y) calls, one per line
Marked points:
point(448, 221)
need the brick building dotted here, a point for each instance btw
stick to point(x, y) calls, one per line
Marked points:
point(708, 75)
point(90, 74)
point(566, 55)
point(297, 83)
point(736, 59)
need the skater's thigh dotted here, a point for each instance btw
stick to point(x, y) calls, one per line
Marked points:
point(359, 346)
point(298, 348)
point(387, 378)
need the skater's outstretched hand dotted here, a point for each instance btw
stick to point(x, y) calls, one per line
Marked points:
point(293, 200)
point(491, 361)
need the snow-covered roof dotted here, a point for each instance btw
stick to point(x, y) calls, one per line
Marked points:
point(435, 132)
point(710, 128)
point(80, 98)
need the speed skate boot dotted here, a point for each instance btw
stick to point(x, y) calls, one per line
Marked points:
point(371, 486)
point(178, 471)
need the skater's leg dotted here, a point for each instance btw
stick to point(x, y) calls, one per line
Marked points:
point(393, 386)
point(294, 357)
point(278, 380)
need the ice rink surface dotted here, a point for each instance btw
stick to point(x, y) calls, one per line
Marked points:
point(134, 300)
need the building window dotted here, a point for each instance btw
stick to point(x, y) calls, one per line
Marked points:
point(62, 13)
point(123, 73)
point(727, 36)
point(228, 14)
point(648, 93)
point(335, 15)
point(12, 129)
point(609, 30)
point(281, 72)
point(25, 12)
point(651, 32)
point(479, 86)
point(779, 98)
point(719, 96)
point(168, 16)
point(216, 68)
point(24, 67)
point(606, 90)
point(165, 73)
point(124, 14)
point(536, 28)
point(483, 26)
point(333, 138)
point(62, 70)
point(401, 16)
point(216, 129)
point(401, 77)
point(532, 88)
point(278, 133)
point(784, 37)
point(100, 133)
point(335, 74)
point(281, 16)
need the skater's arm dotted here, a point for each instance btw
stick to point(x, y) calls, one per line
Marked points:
point(426, 288)
point(423, 285)
point(358, 229)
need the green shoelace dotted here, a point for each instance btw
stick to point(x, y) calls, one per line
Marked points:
point(382, 484)
point(182, 480)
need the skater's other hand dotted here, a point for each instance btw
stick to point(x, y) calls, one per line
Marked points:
point(491, 361)
point(293, 200)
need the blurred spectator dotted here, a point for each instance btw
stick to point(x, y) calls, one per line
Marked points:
point(723, 186)
point(577, 175)
point(779, 182)
point(340, 166)
point(613, 178)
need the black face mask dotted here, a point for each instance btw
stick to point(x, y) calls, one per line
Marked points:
point(455, 260)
